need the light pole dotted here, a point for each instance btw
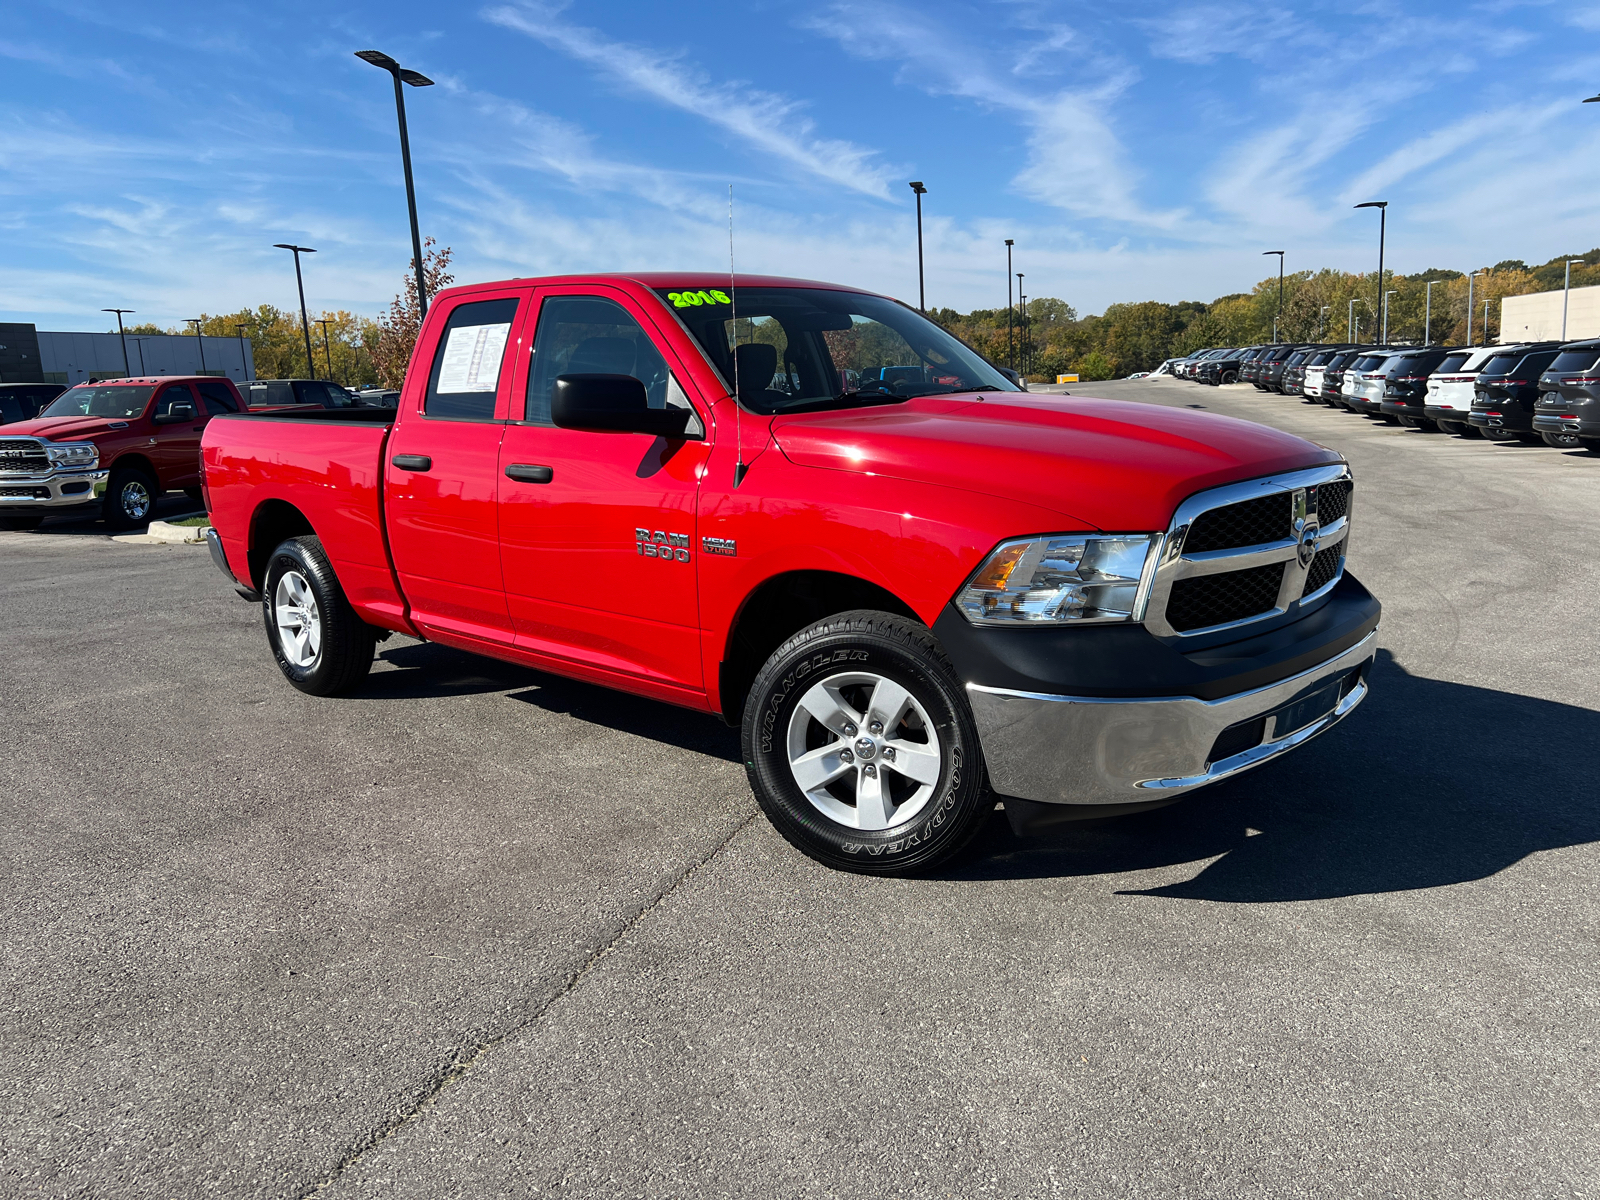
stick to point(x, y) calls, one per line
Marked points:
point(1011, 342)
point(195, 321)
point(124, 336)
point(139, 342)
point(1427, 314)
point(1486, 323)
point(1383, 221)
point(1470, 278)
point(1566, 290)
point(244, 361)
point(327, 351)
point(1384, 341)
point(1350, 322)
point(1279, 313)
point(305, 325)
point(922, 296)
point(379, 59)
point(1022, 304)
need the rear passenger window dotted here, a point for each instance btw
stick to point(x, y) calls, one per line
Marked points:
point(586, 335)
point(468, 360)
point(217, 397)
point(177, 394)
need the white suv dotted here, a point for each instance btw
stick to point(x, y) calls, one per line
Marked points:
point(1450, 389)
point(1354, 387)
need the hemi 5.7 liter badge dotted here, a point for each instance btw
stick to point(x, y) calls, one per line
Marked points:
point(668, 546)
point(724, 546)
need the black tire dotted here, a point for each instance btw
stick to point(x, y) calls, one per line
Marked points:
point(194, 494)
point(860, 650)
point(130, 498)
point(1230, 377)
point(1561, 441)
point(1454, 427)
point(339, 655)
point(1416, 422)
point(1498, 435)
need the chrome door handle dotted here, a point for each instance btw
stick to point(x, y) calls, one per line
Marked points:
point(529, 473)
point(412, 462)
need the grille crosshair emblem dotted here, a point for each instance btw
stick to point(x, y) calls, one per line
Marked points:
point(1307, 549)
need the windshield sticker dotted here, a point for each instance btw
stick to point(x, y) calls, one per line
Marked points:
point(693, 299)
point(472, 358)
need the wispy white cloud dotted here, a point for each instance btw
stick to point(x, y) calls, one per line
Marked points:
point(773, 124)
point(1077, 162)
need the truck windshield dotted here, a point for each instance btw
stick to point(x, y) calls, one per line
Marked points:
point(803, 349)
point(88, 400)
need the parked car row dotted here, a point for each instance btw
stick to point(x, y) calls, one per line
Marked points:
point(113, 447)
point(1527, 391)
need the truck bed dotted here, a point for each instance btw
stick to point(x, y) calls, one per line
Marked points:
point(325, 464)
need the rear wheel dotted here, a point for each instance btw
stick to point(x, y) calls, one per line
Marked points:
point(320, 645)
point(130, 498)
point(861, 749)
point(1456, 427)
point(1499, 435)
point(1562, 441)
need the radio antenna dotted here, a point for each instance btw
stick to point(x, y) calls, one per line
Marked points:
point(739, 467)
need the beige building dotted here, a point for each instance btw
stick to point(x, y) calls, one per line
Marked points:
point(1537, 318)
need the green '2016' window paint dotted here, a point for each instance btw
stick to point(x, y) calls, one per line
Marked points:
point(695, 299)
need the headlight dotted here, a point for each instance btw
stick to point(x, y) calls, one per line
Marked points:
point(72, 454)
point(1070, 577)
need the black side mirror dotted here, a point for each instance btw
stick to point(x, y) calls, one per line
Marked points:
point(174, 415)
point(613, 404)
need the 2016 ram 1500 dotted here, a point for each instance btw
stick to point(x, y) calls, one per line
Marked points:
point(913, 590)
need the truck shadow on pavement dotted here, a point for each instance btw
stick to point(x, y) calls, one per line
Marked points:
point(426, 670)
point(1427, 784)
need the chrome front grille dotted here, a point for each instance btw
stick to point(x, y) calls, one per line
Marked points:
point(23, 454)
point(1250, 551)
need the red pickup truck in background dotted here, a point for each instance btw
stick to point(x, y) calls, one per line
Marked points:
point(811, 511)
point(115, 446)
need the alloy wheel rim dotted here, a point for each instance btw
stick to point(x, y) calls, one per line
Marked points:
point(135, 500)
point(294, 609)
point(864, 751)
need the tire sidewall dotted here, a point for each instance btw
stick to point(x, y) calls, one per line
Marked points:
point(114, 513)
point(950, 815)
point(293, 555)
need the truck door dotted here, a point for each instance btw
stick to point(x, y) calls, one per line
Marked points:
point(440, 483)
point(597, 530)
point(175, 445)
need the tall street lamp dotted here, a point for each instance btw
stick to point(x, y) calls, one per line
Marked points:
point(1279, 313)
point(139, 342)
point(922, 298)
point(1011, 342)
point(1486, 323)
point(1427, 314)
point(124, 336)
point(1470, 278)
point(1350, 322)
point(195, 321)
point(244, 361)
point(1022, 305)
point(1385, 339)
point(1566, 289)
point(1383, 220)
point(327, 350)
point(305, 325)
point(378, 59)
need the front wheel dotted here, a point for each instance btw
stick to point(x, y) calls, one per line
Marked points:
point(320, 645)
point(130, 498)
point(1230, 377)
point(861, 749)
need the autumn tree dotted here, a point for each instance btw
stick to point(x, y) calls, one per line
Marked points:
point(396, 333)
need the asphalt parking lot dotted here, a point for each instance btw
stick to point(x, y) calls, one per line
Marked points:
point(480, 931)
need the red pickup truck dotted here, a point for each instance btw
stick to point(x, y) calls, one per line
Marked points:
point(112, 447)
point(914, 589)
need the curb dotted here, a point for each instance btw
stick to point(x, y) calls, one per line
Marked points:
point(164, 533)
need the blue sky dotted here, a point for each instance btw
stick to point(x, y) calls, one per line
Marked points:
point(150, 156)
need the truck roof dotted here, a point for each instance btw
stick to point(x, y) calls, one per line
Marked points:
point(153, 379)
point(659, 279)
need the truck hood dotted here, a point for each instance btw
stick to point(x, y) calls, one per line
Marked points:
point(65, 429)
point(1109, 464)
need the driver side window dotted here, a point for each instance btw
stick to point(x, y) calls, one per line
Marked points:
point(178, 393)
point(587, 335)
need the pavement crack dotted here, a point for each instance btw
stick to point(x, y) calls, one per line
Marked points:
point(469, 1056)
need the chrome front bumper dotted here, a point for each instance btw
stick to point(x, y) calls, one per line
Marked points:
point(1086, 750)
point(54, 489)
